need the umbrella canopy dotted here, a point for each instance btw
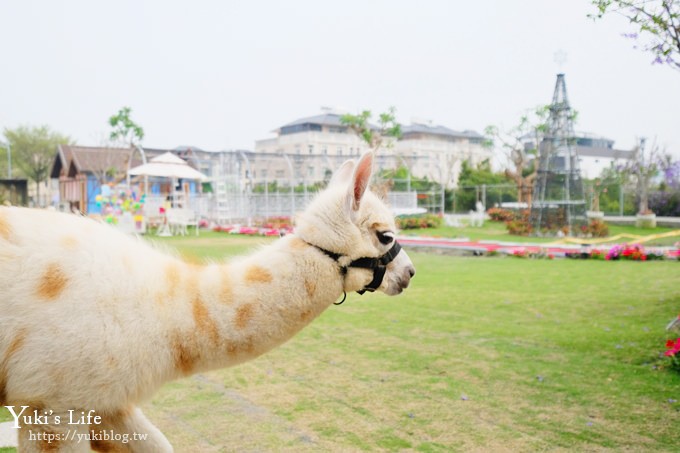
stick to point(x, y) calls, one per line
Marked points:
point(168, 166)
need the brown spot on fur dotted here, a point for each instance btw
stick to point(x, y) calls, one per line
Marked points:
point(258, 274)
point(16, 344)
point(52, 282)
point(244, 346)
point(68, 242)
point(310, 287)
point(244, 314)
point(13, 347)
point(5, 228)
point(193, 261)
point(205, 324)
point(106, 446)
point(172, 277)
point(53, 444)
point(298, 244)
point(305, 315)
point(226, 295)
point(185, 354)
point(380, 226)
point(115, 421)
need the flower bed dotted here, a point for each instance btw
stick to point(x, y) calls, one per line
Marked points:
point(629, 252)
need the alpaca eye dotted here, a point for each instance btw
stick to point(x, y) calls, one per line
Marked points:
point(385, 237)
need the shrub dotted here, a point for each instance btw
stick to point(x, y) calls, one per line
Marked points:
point(421, 221)
point(500, 215)
point(665, 203)
point(520, 224)
point(597, 229)
point(539, 254)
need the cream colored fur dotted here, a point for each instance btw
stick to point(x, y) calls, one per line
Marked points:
point(93, 319)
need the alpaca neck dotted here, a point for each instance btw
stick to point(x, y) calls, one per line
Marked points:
point(226, 314)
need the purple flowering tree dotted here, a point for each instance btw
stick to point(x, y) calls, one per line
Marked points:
point(666, 200)
point(671, 171)
point(657, 23)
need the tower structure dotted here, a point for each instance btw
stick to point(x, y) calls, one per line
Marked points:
point(558, 200)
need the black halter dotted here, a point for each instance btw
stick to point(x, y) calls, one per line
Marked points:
point(377, 265)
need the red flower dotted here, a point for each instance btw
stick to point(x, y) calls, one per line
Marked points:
point(673, 347)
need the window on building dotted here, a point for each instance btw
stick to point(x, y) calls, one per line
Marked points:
point(297, 149)
point(339, 150)
point(263, 173)
point(280, 173)
point(311, 149)
point(310, 171)
point(324, 150)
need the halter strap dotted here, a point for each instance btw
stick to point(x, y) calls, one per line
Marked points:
point(377, 265)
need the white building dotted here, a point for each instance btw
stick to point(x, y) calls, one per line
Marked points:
point(598, 153)
point(318, 144)
point(595, 153)
point(437, 152)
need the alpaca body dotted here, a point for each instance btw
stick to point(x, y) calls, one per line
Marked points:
point(150, 318)
point(93, 320)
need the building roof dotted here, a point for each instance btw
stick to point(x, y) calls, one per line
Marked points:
point(325, 119)
point(333, 119)
point(418, 128)
point(92, 159)
point(599, 151)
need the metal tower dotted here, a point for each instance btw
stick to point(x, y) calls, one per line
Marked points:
point(558, 201)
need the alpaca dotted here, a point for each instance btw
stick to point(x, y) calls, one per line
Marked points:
point(92, 322)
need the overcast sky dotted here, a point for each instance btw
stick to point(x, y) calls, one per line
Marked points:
point(222, 74)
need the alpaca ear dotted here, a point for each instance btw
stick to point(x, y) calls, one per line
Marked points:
point(360, 180)
point(342, 174)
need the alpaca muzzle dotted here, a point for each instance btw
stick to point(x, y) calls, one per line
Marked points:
point(378, 265)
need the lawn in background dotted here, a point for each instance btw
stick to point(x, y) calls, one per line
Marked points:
point(496, 231)
point(480, 353)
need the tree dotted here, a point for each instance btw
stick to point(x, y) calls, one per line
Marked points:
point(374, 136)
point(657, 23)
point(666, 200)
point(473, 177)
point(33, 150)
point(125, 131)
point(521, 148)
point(388, 127)
point(643, 167)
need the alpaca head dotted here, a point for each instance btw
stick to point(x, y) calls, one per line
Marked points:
point(349, 220)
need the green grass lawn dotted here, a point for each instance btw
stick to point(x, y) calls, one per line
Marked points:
point(491, 354)
point(485, 354)
point(496, 231)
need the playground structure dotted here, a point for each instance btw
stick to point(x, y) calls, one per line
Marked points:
point(244, 187)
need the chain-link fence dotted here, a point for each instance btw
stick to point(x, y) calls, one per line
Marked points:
point(612, 199)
